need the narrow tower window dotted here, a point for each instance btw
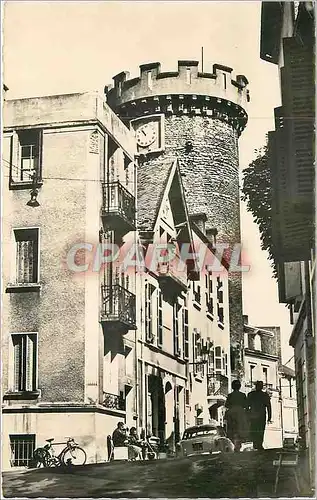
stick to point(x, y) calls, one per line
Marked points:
point(188, 76)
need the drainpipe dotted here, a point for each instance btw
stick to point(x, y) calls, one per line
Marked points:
point(281, 403)
point(307, 337)
point(136, 409)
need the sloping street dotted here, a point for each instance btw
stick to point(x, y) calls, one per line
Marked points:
point(249, 474)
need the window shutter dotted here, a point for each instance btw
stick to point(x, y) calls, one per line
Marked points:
point(290, 229)
point(17, 350)
point(25, 261)
point(185, 332)
point(159, 319)
point(40, 155)
point(29, 358)
point(176, 329)
point(298, 100)
point(148, 313)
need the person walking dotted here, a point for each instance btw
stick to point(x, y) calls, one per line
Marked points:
point(236, 415)
point(258, 407)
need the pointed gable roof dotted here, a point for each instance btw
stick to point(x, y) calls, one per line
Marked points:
point(152, 181)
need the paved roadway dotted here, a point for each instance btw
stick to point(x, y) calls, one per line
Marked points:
point(248, 474)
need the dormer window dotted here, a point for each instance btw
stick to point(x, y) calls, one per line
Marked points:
point(257, 343)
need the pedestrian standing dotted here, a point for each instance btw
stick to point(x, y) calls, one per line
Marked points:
point(236, 415)
point(259, 408)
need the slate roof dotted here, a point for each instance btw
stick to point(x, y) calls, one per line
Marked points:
point(152, 180)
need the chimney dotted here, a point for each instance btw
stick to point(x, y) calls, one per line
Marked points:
point(200, 221)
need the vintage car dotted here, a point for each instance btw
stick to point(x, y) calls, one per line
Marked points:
point(204, 439)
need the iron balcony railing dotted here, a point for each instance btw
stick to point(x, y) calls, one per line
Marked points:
point(118, 305)
point(113, 401)
point(118, 202)
point(218, 385)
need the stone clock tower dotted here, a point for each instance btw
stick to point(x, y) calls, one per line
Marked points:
point(197, 117)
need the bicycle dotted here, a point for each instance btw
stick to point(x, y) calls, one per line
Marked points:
point(72, 454)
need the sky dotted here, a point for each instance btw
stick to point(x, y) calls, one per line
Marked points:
point(59, 47)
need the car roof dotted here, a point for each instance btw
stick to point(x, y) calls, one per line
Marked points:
point(201, 427)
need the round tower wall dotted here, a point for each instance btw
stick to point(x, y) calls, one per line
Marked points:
point(210, 170)
point(204, 116)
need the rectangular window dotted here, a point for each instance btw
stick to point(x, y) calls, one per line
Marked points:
point(149, 290)
point(187, 397)
point(22, 449)
point(27, 255)
point(197, 294)
point(176, 329)
point(24, 361)
point(252, 374)
point(290, 389)
point(159, 319)
point(220, 314)
point(265, 376)
point(185, 332)
point(28, 165)
point(218, 359)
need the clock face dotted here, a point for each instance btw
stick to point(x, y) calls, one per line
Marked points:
point(145, 135)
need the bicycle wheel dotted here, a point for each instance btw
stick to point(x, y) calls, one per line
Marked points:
point(74, 456)
point(41, 457)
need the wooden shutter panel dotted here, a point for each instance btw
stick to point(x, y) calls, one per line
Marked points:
point(17, 350)
point(25, 261)
point(298, 92)
point(29, 359)
point(40, 155)
point(291, 229)
point(159, 319)
point(148, 315)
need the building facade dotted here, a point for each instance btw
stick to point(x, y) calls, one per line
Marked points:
point(198, 118)
point(288, 40)
point(262, 362)
point(66, 353)
point(288, 400)
point(98, 325)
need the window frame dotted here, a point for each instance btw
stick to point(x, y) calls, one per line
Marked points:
point(12, 390)
point(160, 329)
point(14, 437)
point(16, 158)
point(14, 285)
point(176, 329)
point(185, 328)
point(148, 313)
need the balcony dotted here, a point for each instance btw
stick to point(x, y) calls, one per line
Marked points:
point(118, 309)
point(118, 208)
point(113, 401)
point(172, 278)
point(218, 385)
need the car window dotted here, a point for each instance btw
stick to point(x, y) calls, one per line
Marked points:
point(200, 432)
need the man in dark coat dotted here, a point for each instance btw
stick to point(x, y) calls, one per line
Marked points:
point(258, 405)
point(119, 436)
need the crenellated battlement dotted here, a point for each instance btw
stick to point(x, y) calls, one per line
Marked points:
point(187, 80)
point(186, 91)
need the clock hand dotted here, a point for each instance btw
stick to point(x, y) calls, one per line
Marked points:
point(143, 132)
